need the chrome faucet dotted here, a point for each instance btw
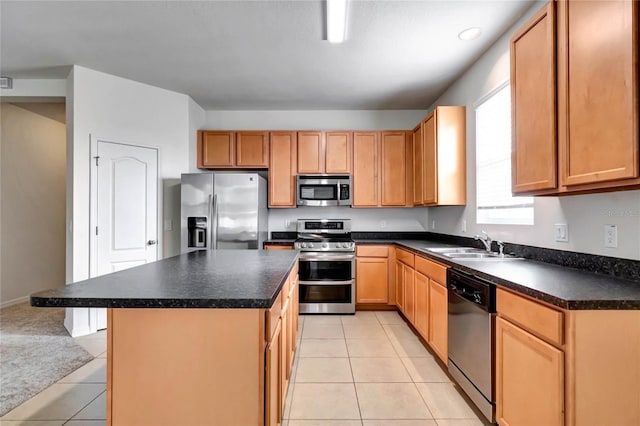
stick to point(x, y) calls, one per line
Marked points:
point(486, 240)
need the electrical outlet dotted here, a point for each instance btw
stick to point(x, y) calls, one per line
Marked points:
point(433, 224)
point(611, 236)
point(464, 225)
point(287, 223)
point(561, 232)
point(383, 224)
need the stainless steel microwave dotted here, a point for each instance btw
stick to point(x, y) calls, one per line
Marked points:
point(323, 190)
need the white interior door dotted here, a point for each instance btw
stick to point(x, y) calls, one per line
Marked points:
point(126, 210)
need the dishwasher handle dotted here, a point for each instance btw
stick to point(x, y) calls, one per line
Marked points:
point(476, 291)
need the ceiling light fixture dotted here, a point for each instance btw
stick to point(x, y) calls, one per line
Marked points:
point(336, 20)
point(470, 34)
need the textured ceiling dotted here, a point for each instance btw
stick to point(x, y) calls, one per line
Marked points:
point(257, 54)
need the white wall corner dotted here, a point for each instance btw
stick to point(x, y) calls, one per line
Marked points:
point(77, 322)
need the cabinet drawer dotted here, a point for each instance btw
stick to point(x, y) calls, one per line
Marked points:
point(278, 247)
point(272, 317)
point(405, 257)
point(372, 251)
point(543, 321)
point(431, 269)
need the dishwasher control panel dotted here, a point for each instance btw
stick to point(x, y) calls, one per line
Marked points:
point(473, 289)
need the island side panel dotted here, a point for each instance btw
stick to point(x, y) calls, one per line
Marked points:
point(185, 366)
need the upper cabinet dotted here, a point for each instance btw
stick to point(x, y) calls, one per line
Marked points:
point(533, 103)
point(224, 149)
point(440, 171)
point(324, 152)
point(382, 169)
point(595, 94)
point(338, 151)
point(282, 170)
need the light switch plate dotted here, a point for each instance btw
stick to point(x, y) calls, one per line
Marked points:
point(561, 232)
point(168, 225)
point(611, 236)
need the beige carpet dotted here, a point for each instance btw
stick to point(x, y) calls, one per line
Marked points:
point(35, 352)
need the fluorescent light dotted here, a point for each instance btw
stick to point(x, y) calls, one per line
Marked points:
point(470, 34)
point(336, 20)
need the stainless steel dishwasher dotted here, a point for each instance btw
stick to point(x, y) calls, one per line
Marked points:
point(471, 315)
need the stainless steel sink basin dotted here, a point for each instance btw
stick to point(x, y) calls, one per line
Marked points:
point(480, 256)
point(446, 250)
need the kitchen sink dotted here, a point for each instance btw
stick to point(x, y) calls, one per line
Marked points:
point(480, 256)
point(447, 250)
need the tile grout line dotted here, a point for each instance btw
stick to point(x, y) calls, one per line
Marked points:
point(355, 389)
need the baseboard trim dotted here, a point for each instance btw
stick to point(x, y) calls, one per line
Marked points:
point(14, 301)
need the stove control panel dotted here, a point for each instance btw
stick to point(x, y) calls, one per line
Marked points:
point(325, 246)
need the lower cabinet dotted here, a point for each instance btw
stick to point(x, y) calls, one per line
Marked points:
point(421, 311)
point(529, 378)
point(438, 319)
point(399, 267)
point(281, 348)
point(409, 296)
point(372, 274)
point(278, 247)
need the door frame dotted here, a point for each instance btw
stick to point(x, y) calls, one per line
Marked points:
point(93, 210)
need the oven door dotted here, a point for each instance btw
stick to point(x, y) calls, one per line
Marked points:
point(327, 283)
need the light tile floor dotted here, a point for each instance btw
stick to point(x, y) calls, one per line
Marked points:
point(367, 369)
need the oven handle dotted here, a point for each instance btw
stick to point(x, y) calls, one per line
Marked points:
point(327, 257)
point(348, 282)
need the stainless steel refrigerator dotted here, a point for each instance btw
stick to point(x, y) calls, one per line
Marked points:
point(223, 210)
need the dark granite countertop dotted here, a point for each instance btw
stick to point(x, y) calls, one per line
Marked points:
point(565, 287)
point(201, 279)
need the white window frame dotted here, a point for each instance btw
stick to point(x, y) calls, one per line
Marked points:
point(520, 209)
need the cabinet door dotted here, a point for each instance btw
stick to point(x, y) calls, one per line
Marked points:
point(252, 149)
point(284, 350)
point(310, 152)
point(438, 319)
point(282, 169)
point(277, 247)
point(598, 91)
point(338, 149)
point(409, 306)
point(533, 103)
point(418, 166)
point(365, 169)
point(291, 333)
point(430, 155)
point(394, 163)
point(272, 379)
point(400, 285)
point(371, 280)
point(529, 378)
point(421, 304)
point(216, 149)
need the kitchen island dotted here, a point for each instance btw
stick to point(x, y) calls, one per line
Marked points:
point(201, 338)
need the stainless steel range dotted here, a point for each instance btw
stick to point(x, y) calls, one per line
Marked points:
point(327, 266)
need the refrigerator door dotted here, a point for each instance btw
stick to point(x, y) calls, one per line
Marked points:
point(197, 203)
point(237, 210)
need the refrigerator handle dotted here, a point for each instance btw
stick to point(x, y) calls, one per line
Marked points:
point(209, 244)
point(214, 223)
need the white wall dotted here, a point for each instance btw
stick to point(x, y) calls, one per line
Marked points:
point(119, 110)
point(586, 215)
point(33, 207)
point(314, 120)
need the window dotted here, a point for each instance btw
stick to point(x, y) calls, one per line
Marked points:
point(495, 204)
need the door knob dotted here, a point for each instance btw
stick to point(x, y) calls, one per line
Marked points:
point(151, 242)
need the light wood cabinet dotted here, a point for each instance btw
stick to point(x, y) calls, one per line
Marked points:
point(590, 105)
point(533, 104)
point(397, 169)
point(404, 283)
point(338, 151)
point(273, 379)
point(224, 149)
point(598, 91)
point(278, 247)
point(443, 174)
point(282, 170)
point(310, 153)
point(399, 267)
point(372, 282)
point(438, 319)
point(529, 378)
point(418, 166)
point(409, 296)
point(216, 149)
point(365, 190)
point(252, 149)
point(421, 303)
point(372, 274)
